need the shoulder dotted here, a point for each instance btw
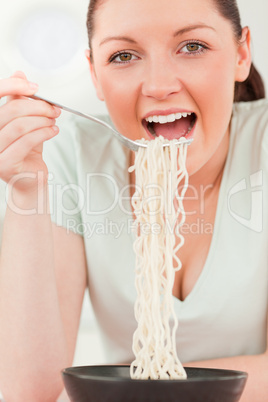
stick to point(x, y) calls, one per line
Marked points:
point(76, 135)
point(84, 146)
point(250, 122)
point(74, 127)
point(251, 112)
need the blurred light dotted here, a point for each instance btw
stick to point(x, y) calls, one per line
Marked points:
point(48, 39)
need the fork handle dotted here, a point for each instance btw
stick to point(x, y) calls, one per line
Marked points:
point(133, 145)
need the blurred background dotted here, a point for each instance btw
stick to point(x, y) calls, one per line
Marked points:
point(47, 39)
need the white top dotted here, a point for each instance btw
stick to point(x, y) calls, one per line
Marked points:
point(226, 312)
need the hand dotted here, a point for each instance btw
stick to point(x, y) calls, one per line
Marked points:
point(24, 126)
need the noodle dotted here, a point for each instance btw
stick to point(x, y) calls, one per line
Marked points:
point(159, 211)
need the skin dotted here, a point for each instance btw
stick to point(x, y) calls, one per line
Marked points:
point(160, 78)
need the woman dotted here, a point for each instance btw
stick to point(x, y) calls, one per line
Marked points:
point(146, 60)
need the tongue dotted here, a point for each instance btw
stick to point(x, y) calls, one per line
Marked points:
point(173, 130)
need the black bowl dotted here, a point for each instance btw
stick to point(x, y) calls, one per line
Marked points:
point(113, 384)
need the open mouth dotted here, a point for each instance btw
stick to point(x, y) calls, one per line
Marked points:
point(172, 126)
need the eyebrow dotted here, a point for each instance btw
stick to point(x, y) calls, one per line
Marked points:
point(119, 38)
point(191, 28)
point(177, 33)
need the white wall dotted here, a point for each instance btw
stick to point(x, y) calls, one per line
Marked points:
point(54, 58)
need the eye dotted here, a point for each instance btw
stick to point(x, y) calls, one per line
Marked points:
point(193, 48)
point(122, 57)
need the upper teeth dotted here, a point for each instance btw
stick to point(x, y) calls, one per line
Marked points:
point(166, 119)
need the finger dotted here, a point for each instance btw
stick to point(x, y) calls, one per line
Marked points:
point(17, 74)
point(26, 107)
point(18, 152)
point(21, 127)
point(16, 86)
point(27, 143)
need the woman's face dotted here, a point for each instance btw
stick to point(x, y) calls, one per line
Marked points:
point(157, 61)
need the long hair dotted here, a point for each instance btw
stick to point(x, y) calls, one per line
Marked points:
point(253, 87)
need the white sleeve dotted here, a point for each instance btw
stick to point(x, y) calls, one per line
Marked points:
point(60, 156)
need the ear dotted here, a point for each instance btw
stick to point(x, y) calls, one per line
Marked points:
point(93, 75)
point(243, 56)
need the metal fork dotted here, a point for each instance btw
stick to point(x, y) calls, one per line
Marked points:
point(133, 145)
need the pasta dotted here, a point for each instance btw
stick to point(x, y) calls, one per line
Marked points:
point(160, 174)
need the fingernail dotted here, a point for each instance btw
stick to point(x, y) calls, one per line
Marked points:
point(55, 128)
point(57, 111)
point(32, 85)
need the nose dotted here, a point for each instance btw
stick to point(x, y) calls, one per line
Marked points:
point(161, 79)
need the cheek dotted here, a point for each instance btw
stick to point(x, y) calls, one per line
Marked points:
point(120, 99)
point(217, 81)
point(215, 93)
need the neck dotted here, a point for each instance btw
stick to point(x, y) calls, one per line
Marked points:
point(204, 185)
point(211, 172)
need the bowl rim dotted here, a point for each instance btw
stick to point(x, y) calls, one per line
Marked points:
point(227, 375)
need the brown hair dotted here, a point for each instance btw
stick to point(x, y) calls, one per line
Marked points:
point(90, 19)
point(253, 87)
point(250, 89)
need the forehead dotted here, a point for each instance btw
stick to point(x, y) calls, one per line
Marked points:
point(115, 15)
